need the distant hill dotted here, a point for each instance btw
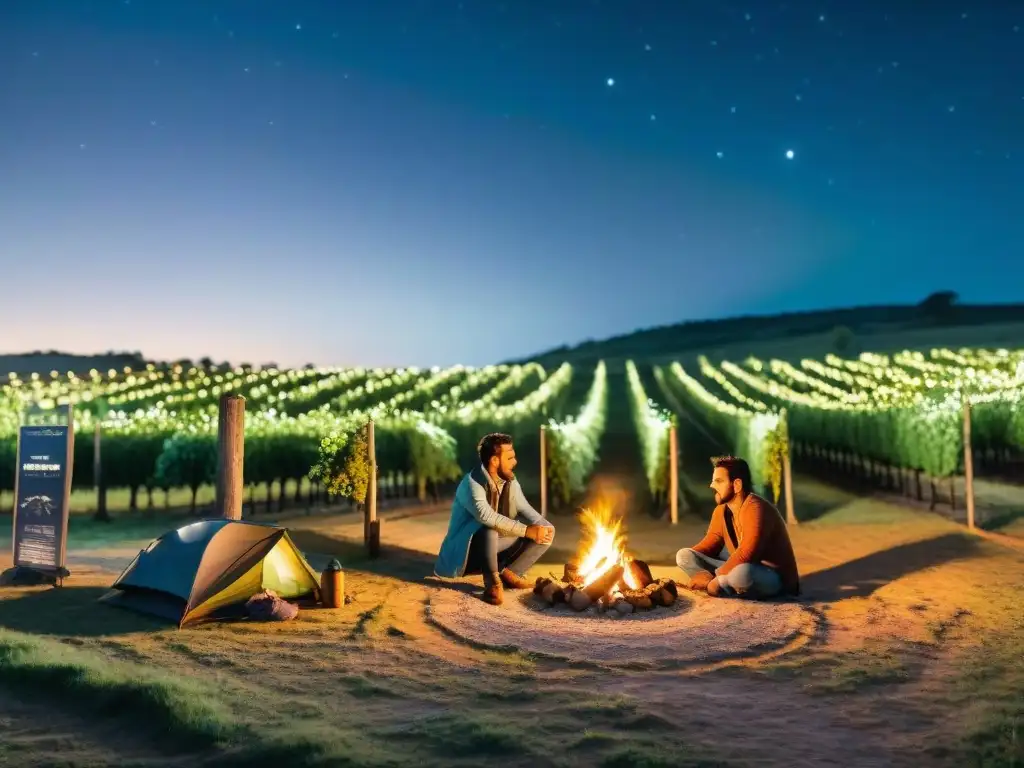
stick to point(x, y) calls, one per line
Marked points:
point(62, 362)
point(937, 321)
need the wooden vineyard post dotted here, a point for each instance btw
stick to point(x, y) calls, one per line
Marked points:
point(371, 525)
point(787, 482)
point(673, 474)
point(230, 456)
point(543, 471)
point(968, 465)
point(97, 473)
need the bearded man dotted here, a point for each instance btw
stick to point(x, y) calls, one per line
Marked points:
point(493, 529)
point(761, 562)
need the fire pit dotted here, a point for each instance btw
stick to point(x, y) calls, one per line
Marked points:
point(604, 577)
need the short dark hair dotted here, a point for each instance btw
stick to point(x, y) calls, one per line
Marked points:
point(490, 445)
point(737, 469)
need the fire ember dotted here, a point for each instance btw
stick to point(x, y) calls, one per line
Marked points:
point(604, 576)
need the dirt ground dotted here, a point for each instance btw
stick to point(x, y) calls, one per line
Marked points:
point(912, 657)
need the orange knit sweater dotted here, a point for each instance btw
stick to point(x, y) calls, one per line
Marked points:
point(762, 538)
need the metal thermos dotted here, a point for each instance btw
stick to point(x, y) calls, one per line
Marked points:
point(332, 585)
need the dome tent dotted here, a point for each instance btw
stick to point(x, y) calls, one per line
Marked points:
point(210, 568)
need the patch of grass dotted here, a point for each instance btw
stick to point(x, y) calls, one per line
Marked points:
point(521, 665)
point(839, 673)
point(507, 694)
point(657, 756)
point(305, 746)
point(591, 740)
point(617, 707)
point(364, 688)
point(190, 715)
point(467, 735)
point(185, 710)
point(988, 690)
point(366, 620)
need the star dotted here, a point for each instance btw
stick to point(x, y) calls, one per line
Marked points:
point(153, 123)
point(298, 27)
point(951, 108)
point(647, 47)
point(790, 154)
point(610, 81)
point(733, 110)
point(719, 154)
point(653, 118)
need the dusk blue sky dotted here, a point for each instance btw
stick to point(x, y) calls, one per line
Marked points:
point(431, 182)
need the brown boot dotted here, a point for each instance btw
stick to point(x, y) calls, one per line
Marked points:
point(493, 593)
point(513, 580)
point(699, 583)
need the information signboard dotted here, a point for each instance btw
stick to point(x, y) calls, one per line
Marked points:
point(42, 495)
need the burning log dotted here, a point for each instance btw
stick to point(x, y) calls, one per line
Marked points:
point(604, 583)
point(571, 574)
point(640, 572)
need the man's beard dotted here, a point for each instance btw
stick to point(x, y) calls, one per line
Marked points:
point(724, 499)
point(508, 476)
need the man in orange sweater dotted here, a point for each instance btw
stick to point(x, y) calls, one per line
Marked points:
point(761, 562)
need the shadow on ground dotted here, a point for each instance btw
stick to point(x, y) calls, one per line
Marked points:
point(72, 610)
point(861, 577)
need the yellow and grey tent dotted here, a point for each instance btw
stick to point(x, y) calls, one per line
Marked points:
point(210, 568)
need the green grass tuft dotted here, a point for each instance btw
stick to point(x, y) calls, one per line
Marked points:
point(186, 711)
point(662, 756)
point(466, 736)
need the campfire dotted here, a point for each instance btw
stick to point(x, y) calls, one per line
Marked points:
point(604, 576)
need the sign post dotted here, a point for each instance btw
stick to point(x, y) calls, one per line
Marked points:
point(42, 496)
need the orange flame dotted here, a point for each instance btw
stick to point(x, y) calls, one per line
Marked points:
point(604, 546)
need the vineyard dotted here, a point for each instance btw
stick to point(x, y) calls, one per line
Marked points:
point(894, 421)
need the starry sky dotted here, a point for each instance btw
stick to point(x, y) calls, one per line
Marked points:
point(419, 182)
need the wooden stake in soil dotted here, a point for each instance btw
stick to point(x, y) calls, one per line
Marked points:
point(968, 465)
point(543, 471)
point(370, 516)
point(97, 474)
point(673, 474)
point(230, 455)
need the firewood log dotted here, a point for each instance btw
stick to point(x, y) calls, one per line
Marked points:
point(542, 581)
point(667, 597)
point(671, 587)
point(651, 588)
point(571, 573)
point(580, 600)
point(637, 598)
point(554, 592)
point(624, 607)
point(640, 572)
point(605, 582)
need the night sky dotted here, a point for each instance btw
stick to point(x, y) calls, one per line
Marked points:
point(414, 183)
